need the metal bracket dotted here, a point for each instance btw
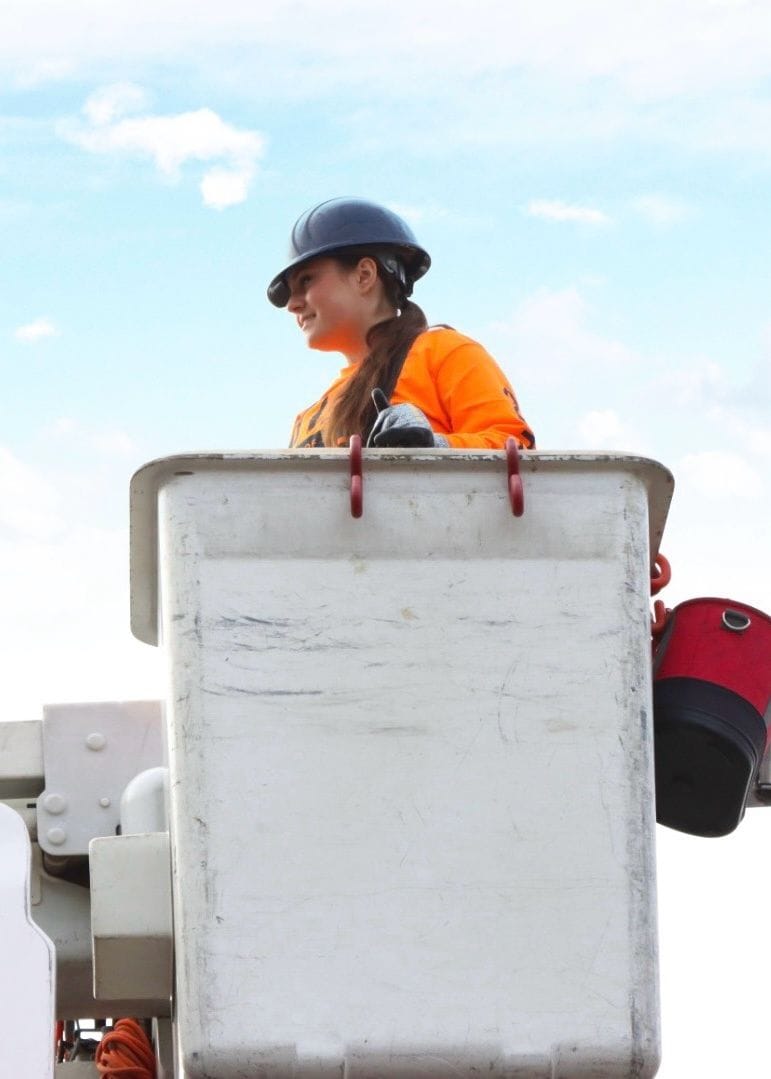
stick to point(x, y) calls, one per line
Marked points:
point(90, 753)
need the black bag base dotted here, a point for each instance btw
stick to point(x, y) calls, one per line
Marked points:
point(708, 743)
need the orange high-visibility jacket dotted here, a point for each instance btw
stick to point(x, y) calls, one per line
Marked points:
point(455, 383)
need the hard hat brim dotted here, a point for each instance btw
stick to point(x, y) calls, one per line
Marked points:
point(417, 262)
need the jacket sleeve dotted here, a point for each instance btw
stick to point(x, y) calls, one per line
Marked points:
point(480, 405)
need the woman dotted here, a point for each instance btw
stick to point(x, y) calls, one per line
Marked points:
point(348, 282)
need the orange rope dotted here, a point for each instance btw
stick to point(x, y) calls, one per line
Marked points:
point(58, 1038)
point(125, 1052)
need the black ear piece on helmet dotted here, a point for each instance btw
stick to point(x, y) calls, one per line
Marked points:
point(396, 271)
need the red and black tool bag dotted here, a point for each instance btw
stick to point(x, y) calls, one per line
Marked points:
point(711, 693)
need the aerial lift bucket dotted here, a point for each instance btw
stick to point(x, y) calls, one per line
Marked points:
point(410, 760)
point(712, 688)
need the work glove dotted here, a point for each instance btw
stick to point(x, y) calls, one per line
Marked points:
point(401, 425)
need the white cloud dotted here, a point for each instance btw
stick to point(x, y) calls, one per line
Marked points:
point(117, 99)
point(171, 141)
point(113, 441)
point(741, 123)
point(689, 72)
point(696, 382)
point(753, 438)
point(650, 51)
point(64, 619)
point(64, 425)
point(581, 385)
point(720, 473)
point(556, 210)
point(731, 396)
point(42, 71)
point(661, 209)
point(552, 326)
point(221, 188)
point(603, 429)
point(758, 440)
point(30, 506)
point(33, 332)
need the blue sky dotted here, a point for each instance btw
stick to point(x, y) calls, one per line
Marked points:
point(593, 185)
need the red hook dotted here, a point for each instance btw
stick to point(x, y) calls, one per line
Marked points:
point(357, 481)
point(516, 490)
point(660, 578)
point(659, 620)
point(662, 574)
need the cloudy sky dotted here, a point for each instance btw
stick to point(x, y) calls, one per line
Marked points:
point(592, 181)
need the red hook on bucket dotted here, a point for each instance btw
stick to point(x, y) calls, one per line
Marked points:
point(661, 575)
point(516, 490)
point(357, 480)
point(660, 578)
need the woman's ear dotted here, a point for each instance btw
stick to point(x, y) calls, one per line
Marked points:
point(366, 274)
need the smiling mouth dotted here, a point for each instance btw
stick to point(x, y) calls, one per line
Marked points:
point(303, 322)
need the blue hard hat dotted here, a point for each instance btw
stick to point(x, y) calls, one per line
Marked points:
point(346, 222)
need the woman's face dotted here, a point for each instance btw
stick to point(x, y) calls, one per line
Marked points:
point(336, 305)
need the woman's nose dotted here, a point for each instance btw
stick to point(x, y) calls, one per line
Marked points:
point(295, 303)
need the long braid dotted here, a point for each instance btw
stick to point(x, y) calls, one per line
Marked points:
point(389, 342)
